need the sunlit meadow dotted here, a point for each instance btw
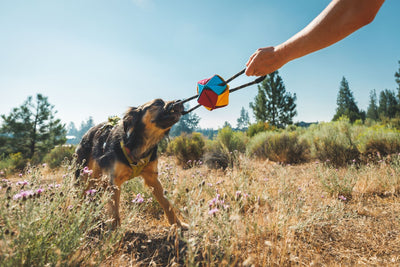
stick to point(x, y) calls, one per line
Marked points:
point(257, 213)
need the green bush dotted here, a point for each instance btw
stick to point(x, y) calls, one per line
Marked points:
point(231, 140)
point(58, 155)
point(379, 141)
point(258, 128)
point(187, 149)
point(280, 147)
point(12, 163)
point(335, 142)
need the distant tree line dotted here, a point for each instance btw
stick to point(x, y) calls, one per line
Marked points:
point(74, 135)
point(386, 107)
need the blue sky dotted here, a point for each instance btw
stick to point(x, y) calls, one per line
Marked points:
point(97, 58)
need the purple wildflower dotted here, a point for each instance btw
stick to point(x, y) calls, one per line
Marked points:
point(213, 211)
point(40, 190)
point(139, 199)
point(87, 171)
point(91, 192)
point(23, 194)
point(343, 198)
point(25, 182)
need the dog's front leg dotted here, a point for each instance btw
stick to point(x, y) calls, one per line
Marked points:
point(150, 176)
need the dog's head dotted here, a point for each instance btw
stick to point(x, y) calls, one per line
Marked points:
point(153, 119)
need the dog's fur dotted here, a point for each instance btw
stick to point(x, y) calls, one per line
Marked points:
point(141, 129)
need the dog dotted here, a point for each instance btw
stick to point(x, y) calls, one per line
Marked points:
point(126, 149)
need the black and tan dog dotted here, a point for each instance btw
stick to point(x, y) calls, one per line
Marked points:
point(128, 149)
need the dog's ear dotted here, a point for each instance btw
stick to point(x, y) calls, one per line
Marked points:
point(131, 117)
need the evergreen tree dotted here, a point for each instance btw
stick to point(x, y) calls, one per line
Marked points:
point(397, 79)
point(187, 124)
point(388, 104)
point(226, 124)
point(32, 129)
point(372, 111)
point(244, 120)
point(273, 103)
point(346, 105)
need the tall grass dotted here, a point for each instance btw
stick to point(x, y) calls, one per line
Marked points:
point(50, 222)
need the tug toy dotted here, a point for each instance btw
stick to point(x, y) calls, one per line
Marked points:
point(213, 93)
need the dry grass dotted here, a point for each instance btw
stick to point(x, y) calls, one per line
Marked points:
point(265, 214)
point(262, 214)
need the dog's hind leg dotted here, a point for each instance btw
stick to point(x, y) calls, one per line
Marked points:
point(114, 206)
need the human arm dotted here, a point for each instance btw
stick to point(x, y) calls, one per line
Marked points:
point(338, 20)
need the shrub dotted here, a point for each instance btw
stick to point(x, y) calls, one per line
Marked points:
point(379, 141)
point(14, 162)
point(280, 146)
point(334, 142)
point(231, 140)
point(187, 148)
point(59, 154)
point(258, 128)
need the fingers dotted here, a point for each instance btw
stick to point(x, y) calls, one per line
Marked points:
point(264, 61)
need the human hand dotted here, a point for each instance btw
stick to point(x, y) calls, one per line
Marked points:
point(264, 61)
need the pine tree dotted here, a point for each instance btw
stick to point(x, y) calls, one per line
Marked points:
point(32, 129)
point(397, 79)
point(244, 120)
point(273, 103)
point(372, 112)
point(346, 105)
point(388, 104)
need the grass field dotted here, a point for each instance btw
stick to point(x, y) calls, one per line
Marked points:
point(257, 214)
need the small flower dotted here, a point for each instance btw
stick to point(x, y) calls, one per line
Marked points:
point(23, 194)
point(91, 192)
point(1, 173)
point(343, 198)
point(70, 207)
point(87, 171)
point(40, 190)
point(44, 165)
point(139, 199)
point(25, 182)
point(20, 175)
point(213, 211)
